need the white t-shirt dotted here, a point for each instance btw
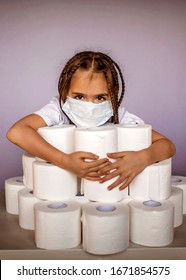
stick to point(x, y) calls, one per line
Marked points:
point(53, 115)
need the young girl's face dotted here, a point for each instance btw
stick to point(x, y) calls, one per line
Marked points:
point(89, 86)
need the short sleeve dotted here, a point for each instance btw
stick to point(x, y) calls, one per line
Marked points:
point(51, 113)
point(127, 118)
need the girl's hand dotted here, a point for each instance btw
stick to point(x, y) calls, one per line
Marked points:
point(127, 165)
point(85, 165)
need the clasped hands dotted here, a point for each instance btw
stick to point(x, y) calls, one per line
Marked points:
point(124, 166)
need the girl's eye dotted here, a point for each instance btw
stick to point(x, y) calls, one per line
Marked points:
point(79, 97)
point(101, 98)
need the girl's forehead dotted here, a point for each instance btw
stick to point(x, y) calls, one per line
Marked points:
point(88, 77)
point(83, 74)
point(88, 81)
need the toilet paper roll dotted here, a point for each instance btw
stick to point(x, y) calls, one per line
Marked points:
point(134, 137)
point(12, 187)
point(27, 161)
point(26, 201)
point(154, 182)
point(151, 222)
point(52, 182)
point(100, 141)
point(105, 228)
point(59, 136)
point(80, 198)
point(57, 224)
point(177, 199)
point(95, 191)
point(180, 181)
point(126, 200)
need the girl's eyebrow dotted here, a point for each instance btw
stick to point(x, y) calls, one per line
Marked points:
point(103, 94)
point(80, 93)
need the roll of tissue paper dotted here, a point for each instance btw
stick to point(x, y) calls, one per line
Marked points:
point(95, 191)
point(180, 181)
point(177, 199)
point(80, 198)
point(26, 202)
point(27, 163)
point(52, 182)
point(12, 187)
point(100, 141)
point(151, 222)
point(59, 136)
point(57, 224)
point(154, 182)
point(105, 228)
point(134, 137)
point(126, 200)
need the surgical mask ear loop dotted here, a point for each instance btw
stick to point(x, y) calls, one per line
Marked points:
point(70, 122)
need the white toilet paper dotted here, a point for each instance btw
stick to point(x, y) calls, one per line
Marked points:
point(126, 200)
point(180, 181)
point(105, 228)
point(12, 187)
point(80, 198)
point(95, 191)
point(100, 141)
point(26, 201)
point(154, 182)
point(27, 161)
point(52, 182)
point(134, 137)
point(57, 224)
point(59, 136)
point(151, 222)
point(177, 199)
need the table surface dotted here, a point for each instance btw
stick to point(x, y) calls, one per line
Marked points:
point(18, 243)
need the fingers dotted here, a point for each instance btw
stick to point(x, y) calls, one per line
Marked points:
point(107, 168)
point(109, 176)
point(118, 182)
point(100, 165)
point(87, 155)
point(92, 178)
point(97, 165)
point(93, 172)
point(117, 154)
point(93, 175)
point(89, 162)
point(125, 184)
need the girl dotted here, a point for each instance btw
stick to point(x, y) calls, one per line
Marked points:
point(89, 95)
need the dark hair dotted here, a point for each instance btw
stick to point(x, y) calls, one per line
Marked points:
point(96, 62)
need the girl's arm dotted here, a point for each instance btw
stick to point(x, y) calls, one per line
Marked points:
point(24, 134)
point(130, 163)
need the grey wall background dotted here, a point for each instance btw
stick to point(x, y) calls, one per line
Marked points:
point(146, 37)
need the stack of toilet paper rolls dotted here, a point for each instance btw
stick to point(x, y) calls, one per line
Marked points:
point(153, 202)
point(47, 198)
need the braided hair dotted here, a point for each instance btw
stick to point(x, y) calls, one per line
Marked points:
point(97, 62)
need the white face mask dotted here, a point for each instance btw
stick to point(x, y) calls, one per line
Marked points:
point(87, 114)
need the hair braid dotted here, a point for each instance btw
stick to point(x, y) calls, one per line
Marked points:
point(64, 83)
point(113, 100)
point(122, 83)
point(114, 90)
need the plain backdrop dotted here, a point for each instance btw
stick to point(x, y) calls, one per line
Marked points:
point(146, 38)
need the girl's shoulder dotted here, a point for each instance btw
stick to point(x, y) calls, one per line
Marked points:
point(52, 113)
point(127, 118)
